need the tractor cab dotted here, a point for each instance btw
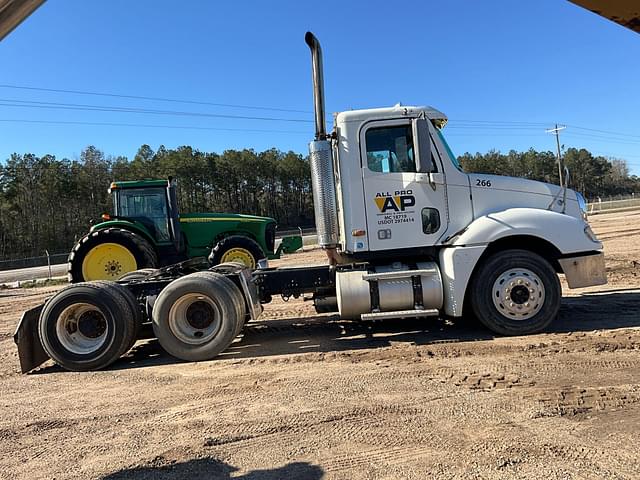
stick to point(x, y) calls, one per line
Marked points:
point(152, 205)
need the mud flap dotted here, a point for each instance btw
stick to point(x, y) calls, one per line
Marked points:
point(30, 349)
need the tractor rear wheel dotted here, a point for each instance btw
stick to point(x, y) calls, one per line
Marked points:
point(109, 254)
point(237, 248)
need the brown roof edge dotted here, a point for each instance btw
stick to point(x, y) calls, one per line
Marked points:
point(13, 12)
point(623, 12)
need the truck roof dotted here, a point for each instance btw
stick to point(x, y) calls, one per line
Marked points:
point(436, 116)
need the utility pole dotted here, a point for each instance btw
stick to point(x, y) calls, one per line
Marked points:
point(556, 132)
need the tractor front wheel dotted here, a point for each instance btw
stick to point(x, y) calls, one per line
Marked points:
point(237, 248)
point(109, 254)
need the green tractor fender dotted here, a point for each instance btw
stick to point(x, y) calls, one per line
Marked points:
point(133, 227)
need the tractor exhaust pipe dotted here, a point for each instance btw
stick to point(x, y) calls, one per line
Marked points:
point(318, 84)
point(321, 160)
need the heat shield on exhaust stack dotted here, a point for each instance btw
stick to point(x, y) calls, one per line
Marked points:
point(321, 158)
point(324, 193)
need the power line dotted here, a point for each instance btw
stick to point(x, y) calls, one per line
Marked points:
point(155, 99)
point(459, 123)
point(114, 124)
point(498, 122)
point(601, 137)
point(100, 108)
point(605, 131)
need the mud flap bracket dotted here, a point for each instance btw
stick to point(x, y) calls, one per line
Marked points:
point(30, 349)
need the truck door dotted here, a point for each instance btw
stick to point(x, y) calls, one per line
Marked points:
point(404, 187)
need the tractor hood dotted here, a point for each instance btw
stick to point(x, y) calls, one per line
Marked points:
point(492, 193)
point(222, 217)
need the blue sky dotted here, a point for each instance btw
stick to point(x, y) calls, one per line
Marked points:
point(503, 71)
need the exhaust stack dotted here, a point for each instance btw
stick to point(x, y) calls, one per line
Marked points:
point(318, 84)
point(321, 159)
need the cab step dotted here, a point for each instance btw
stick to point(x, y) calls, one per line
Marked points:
point(429, 312)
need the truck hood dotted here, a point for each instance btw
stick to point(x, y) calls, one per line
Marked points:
point(491, 193)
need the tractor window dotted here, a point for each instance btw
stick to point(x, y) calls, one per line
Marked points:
point(390, 149)
point(147, 206)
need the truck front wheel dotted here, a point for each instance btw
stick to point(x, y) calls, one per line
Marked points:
point(515, 292)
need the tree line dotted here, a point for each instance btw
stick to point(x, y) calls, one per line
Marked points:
point(593, 176)
point(47, 203)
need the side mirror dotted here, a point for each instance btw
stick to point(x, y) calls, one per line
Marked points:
point(422, 145)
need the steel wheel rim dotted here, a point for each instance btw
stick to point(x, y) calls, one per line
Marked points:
point(195, 319)
point(240, 255)
point(108, 261)
point(518, 294)
point(82, 328)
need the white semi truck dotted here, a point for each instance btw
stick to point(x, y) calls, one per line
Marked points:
point(407, 234)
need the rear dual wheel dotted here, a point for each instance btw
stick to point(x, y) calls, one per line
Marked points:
point(89, 326)
point(196, 317)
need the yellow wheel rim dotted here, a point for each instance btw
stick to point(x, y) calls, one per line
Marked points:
point(108, 261)
point(241, 255)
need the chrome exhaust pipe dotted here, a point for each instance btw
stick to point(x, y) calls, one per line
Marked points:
point(321, 160)
point(318, 84)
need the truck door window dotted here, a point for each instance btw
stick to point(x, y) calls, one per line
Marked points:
point(390, 149)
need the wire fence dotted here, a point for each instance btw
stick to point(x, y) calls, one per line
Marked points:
point(296, 231)
point(612, 203)
point(40, 261)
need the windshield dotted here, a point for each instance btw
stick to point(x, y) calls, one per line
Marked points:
point(454, 159)
point(147, 206)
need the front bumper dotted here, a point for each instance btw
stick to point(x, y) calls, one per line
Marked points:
point(585, 270)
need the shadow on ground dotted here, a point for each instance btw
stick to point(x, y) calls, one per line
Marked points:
point(327, 333)
point(212, 469)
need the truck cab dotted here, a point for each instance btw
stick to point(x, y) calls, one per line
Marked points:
point(388, 191)
point(403, 189)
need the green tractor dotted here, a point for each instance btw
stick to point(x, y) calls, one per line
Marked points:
point(147, 232)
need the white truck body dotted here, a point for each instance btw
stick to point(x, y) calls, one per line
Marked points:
point(380, 209)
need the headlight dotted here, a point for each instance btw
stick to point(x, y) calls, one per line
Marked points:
point(582, 203)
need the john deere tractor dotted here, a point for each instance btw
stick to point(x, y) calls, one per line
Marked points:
point(146, 232)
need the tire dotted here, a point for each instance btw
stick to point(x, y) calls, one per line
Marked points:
point(515, 292)
point(237, 248)
point(134, 308)
point(238, 298)
point(201, 334)
point(86, 326)
point(109, 254)
point(140, 274)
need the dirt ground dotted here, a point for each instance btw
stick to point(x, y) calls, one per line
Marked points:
point(323, 398)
